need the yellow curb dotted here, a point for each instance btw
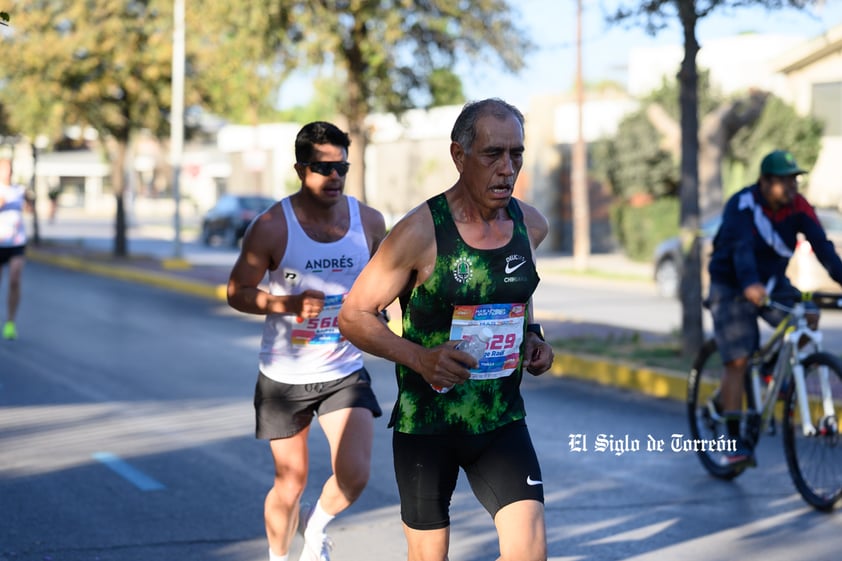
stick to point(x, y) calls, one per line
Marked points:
point(176, 264)
point(646, 380)
point(214, 292)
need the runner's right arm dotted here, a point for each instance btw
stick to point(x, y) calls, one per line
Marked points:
point(263, 249)
point(404, 260)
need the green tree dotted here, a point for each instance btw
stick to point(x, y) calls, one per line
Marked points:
point(386, 52)
point(107, 64)
point(634, 161)
point(655, 15)
point(778, 127)
point(324, 105)
point(5, 127)
point(647, 148)
point(236, 59)
point(445, 88)
point(667, 95)
point(641, 161)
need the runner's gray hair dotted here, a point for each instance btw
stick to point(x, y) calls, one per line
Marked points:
point(465, 128)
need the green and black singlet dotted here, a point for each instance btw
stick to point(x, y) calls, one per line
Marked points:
point(468, 289)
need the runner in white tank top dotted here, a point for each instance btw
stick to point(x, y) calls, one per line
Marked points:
point(306, 351)
point(312, 245)
point(13, 203)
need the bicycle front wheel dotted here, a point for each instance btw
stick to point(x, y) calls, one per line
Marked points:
point(815, 459)
point(706, 422)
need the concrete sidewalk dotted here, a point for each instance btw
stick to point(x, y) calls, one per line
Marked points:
point(209, 280)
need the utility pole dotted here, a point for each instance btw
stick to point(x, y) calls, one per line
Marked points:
point(177, 119)
point(579, 181)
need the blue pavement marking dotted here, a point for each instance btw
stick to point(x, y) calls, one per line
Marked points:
point(127, 471)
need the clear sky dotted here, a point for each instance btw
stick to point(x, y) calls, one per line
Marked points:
point(552, 27)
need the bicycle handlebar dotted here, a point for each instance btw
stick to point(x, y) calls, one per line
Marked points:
point(826, 300)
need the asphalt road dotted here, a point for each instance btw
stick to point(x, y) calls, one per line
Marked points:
point(126, 435)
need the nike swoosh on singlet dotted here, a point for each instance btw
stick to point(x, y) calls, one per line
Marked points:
point(510, 270)
point(532, 482)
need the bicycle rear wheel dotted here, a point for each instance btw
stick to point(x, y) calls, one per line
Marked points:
point(706, 423)
point(815, 461)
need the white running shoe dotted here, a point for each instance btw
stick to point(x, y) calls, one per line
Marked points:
point(319, 551)
point(313, 551)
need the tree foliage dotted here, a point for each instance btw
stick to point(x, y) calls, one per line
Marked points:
point(107, 64)
point(667, 95)
point(657, 15)
point(634, 162)
point(236, 59)
point(445, 88)
point(388, 54)
point(779, 127)
point(325, 104)
point(639, 164)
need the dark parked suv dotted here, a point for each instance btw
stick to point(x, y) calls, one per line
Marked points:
point(227, 221)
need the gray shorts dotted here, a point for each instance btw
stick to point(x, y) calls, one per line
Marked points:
point(283, 410)
point(735, 324)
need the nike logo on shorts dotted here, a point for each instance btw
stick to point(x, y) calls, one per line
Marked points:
point(532, 482)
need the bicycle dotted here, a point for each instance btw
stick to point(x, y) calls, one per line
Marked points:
point(808, 382)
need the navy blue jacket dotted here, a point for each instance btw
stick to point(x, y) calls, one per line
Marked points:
point(755, 243)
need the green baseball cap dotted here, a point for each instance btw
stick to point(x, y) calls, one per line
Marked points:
point(780, 162)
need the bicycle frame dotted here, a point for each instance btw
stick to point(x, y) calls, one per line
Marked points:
point(791, 368)
point(793, 340)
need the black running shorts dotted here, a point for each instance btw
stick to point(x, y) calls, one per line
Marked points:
point(6, 253)
point(282, 410)
point(501, 467)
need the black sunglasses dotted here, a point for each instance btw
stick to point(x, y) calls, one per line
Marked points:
point(326, 168)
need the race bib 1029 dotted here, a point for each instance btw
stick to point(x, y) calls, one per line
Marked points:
point(502, 352)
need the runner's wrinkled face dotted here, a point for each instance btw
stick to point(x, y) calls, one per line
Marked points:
point(491, 166)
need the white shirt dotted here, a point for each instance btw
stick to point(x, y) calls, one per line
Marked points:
point(12, 228)
point(306, 351)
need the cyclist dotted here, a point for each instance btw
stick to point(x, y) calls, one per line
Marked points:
point(751, 251)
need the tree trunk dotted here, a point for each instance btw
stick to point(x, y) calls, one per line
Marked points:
point(356, 110)
point(355, 181)
point(691, 282)
point(118, 183)
point(717, 130)
point(33, 189)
